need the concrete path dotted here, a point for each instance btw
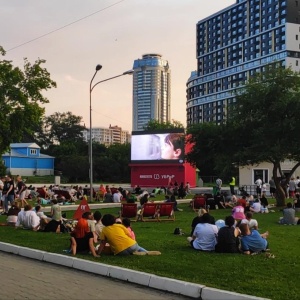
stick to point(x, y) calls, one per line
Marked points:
point(24, 278)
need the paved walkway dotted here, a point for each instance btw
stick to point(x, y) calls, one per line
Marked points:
point(24, 278)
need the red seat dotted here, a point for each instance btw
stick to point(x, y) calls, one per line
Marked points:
point(166, 210)
point(129, 210)
point(149, 210)
point(198, 202)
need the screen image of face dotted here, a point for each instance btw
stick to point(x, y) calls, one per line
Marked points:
point(160, 146)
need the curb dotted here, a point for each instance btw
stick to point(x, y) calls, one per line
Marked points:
point(184, 288)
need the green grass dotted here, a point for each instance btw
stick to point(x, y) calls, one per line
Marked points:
point(254, 275)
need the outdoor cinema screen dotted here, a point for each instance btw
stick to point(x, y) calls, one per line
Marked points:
point(159, 146)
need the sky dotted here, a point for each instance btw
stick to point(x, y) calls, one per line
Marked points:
point(73, 36)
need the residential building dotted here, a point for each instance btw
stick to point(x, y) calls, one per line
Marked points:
point(234, 44)
point(108, 136)
point(151, 90)
point(25, 159)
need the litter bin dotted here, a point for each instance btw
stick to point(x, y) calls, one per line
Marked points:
point(57, 180)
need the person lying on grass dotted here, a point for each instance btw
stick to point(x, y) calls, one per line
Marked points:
point(119, 239)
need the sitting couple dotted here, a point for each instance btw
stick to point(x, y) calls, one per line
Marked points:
point(119, 238)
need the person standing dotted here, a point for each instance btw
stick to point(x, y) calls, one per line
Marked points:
point(9, 193)
point(21, 186)
point(272, 187)
point(1, 189)
point(218, 185)
point(258, 183)
point(232, 185)
point(292, 187)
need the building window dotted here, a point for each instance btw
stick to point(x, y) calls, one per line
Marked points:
point(33, 151)
point(263, 174)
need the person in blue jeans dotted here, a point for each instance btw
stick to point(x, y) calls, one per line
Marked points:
point(253, 241)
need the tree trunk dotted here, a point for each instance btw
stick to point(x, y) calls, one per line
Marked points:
point(280, 196)
point(280, 193)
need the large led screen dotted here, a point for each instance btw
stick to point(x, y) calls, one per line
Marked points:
point(160, 146)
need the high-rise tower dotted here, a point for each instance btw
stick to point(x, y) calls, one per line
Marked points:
point(234, 44)
point(151, 90)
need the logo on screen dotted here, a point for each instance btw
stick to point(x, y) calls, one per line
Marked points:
point(156, 176)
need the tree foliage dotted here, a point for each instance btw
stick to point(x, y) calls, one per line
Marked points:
point(62, 127)
point(21, 94)
point(154, 124)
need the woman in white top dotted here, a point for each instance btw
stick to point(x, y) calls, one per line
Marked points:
point(256, 206)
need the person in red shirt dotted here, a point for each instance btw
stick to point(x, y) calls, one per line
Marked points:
point(242, 201)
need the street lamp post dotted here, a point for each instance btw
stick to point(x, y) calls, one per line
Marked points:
point(98, 67)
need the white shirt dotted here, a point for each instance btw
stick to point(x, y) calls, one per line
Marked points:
point(256, 206)
point(28, 219)
point(258, 182)
point(117, 197)
point(206, 237)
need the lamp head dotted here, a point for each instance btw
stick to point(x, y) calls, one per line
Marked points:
point(129, 72)
point(98, 67)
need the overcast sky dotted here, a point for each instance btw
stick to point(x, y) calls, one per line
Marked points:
point(112, 33)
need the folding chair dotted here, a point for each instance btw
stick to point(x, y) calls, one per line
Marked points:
point(198, 202)
point(129, 210)
point(166, 210)
point(150, 212)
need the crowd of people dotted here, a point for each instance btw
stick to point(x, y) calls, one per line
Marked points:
point(97, 234)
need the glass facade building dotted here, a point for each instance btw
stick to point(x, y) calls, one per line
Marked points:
point(151, 90)
point(235, 43)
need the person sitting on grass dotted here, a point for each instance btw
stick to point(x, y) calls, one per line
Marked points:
point(252, 241)
point(238, 213)
point(119, 239)
point(253, 224)
point(289, 216)
point(199, 218)
point(12, 215)
point(55, 224)
point(228, 241)
point(28, 219)
point(82, 239)
point(205, 235)
point(256, 206)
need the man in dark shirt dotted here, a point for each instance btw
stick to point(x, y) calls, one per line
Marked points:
point(9, 193)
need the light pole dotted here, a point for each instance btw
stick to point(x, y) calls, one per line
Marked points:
point(98, 67)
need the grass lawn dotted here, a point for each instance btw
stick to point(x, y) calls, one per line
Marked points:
point(255, 275)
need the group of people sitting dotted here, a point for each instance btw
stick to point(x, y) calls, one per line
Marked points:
point(229, 236)
point(35, 219)
point(108, 234)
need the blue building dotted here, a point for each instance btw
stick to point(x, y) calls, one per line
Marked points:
point(235, 43)
point(25, 159)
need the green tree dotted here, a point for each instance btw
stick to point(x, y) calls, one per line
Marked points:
point(21, 94)
point(154, 124)
point(264, 126)
point(266, 120)
point(62, 127)
point(212, 148)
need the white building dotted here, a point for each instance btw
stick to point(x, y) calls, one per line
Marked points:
point(108, 136)
point(151, 90)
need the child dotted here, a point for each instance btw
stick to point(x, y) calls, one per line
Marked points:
point(173, 146)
